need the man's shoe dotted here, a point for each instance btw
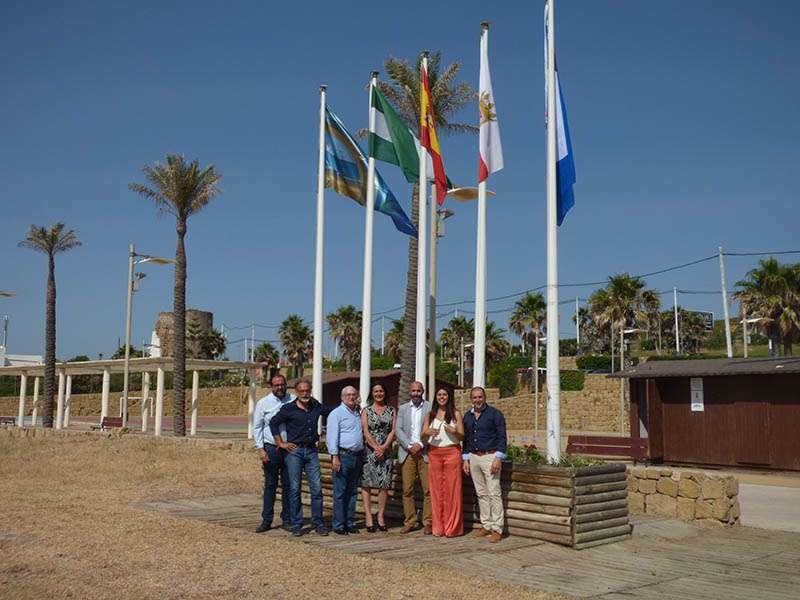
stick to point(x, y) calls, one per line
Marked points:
point(286, 526)
point(353, 530)
point(297, 532)
point(427, 530)
point(495, 537)
point(263, 527)
point(481, 533)
point(340, 531)
point(321, 530)
point(407, 529)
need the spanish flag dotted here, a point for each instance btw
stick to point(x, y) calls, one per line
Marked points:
point(427, 135)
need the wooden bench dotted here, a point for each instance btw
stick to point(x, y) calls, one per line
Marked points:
point(109, 423)
point(630, 447)
point(8, 420)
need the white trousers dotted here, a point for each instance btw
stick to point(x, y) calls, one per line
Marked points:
point(488, 491)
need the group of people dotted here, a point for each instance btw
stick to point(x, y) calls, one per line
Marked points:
point(437, 445)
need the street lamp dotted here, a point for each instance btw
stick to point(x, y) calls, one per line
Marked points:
point(4, 294)
point(134, 259)
point(438, 217)
point(745, 335)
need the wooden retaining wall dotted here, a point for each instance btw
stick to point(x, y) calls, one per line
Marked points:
point(577, 507)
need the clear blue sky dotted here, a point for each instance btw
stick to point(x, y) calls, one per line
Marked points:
point(684, 119)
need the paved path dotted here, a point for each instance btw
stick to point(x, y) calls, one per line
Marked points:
point(666, 559)
point(770, 507)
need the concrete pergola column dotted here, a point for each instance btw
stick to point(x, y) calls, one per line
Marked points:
point(251, 404)
point(68, 401)
point(60, 405)
point(23, 388)
point(145, 399)
point(104, 396)
point(195, 393)
point(35, 412)
point(159, 400)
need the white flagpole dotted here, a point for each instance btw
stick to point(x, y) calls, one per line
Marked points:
point(366, 305)
point(479, 360)
point(316, 379)
point(422, 235)
point(479, 366)
point(553, 382)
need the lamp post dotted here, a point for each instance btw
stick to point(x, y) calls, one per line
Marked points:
point(133, 260)
point(438, 217)
point(6, 294)
point(745, 334)
point(623, 331)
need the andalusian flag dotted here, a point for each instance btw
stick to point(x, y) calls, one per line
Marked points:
point(346, 173)
point(427, 134)
point(392, 141)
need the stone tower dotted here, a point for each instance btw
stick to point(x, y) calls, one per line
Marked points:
point(198, 322)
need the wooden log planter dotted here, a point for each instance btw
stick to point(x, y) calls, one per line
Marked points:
point(579, 507)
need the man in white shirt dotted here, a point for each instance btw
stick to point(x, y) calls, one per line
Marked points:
point(413, 456)
point(271, 456)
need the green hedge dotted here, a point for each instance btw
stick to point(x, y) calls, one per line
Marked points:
point(572, 381)
point(504, 377)
point(594, 362)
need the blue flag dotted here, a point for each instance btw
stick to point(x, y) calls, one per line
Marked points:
point(565, 165)
point(346, 173)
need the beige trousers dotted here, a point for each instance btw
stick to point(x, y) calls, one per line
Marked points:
point(412, 469)
point(488, 491)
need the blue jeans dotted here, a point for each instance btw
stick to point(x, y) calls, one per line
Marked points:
point(345, 490)
point(297, 461)
point(275, 469)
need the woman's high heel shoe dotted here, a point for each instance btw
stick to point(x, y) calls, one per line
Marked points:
point(370, 528)
point(382, 527)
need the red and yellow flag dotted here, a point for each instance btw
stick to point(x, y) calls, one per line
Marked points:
point(428, 138)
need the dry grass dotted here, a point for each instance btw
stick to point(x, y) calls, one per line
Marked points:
point(69, 528)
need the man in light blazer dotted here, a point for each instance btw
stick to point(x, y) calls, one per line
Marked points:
point(413, 457)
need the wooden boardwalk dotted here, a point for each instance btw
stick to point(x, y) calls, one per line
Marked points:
point(666, 559)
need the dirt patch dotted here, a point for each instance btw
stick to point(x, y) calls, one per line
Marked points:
point(69, 528)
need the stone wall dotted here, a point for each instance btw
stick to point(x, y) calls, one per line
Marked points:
point(212, 401)
point(595, 408)
point(684, 494)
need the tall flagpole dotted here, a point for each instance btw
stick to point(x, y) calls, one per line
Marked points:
point(553, 382)
point(422, 235)
point(316, 380)
point(479, 351)
point(366, 304)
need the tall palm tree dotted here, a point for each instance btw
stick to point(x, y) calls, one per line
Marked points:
point(651, 303)
point(180, 189)
point(530, 313)
point(345, 326)
point(447, 98)
point(393, 341)
point(772, 291)
point(497, 346)
point(295, 338)
point(268, 354)
point(459, 331)
point(51, 241)
point(619, 304)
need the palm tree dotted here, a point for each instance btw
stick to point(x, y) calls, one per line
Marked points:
point(497, 346)
point(295, 338)
point(212, 344)
point(458, 331)
point(51, 241)
point(182, 190)
point(268, 354)
point(447, 98)
point(618, 304)
point(345, 326)
point(772, 291)
point(530, 313)
point(394, 339)
point(651, 303)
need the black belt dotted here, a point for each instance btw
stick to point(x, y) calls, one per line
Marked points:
point(349, 451)
point(309, 446)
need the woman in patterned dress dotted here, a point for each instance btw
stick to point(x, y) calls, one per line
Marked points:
point(378, 421)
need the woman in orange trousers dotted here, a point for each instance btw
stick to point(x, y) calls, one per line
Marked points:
point(444, 430)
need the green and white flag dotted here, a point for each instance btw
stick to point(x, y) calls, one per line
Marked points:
point(392, 141)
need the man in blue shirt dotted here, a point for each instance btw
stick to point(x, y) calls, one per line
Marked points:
point(271, 456)
point(484, 449)
point(300, 419)
point(345, 439)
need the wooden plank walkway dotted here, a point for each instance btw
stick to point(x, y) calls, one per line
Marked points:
point(665, 559)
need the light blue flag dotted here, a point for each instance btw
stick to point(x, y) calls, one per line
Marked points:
point(346, 173)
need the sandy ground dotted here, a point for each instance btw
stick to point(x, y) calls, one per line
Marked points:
point(70, 528)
